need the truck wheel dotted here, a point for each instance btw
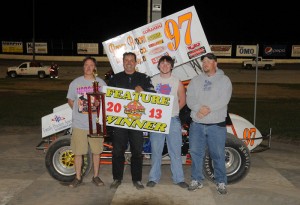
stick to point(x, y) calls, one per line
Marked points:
point(12, 74)
point(268, 67)
point(41, 74)
point(60, 160)
point(237, 161)
point(248, 66)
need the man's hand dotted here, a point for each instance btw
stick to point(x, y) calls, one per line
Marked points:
point(138, 89)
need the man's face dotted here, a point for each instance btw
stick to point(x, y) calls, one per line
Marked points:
point(165, 67)
point(129, 64)
point(209, 66)
point(89, 67)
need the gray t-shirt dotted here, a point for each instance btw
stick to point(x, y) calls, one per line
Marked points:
point(77, 92)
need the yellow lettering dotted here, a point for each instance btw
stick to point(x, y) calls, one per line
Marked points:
point(118, 94)
point(109, 92)
point(155, 100)
point(144, 98)
point(165, 100)
point(127, 96)
point(136, 96)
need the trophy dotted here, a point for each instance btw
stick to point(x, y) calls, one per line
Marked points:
point(98, 97)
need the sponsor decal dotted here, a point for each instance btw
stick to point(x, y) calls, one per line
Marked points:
point(134, 110)
point(153, 28)
point(112, 47)
point(156, 59)
point(157, 50)
point(154, 36)
point(156, 43)
point(196, 52)
point(140, 40)
point(193, 46)
point(57, 118)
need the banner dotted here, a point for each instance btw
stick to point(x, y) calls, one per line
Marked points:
point(12, 47)
point(145, 111)
point(246, 50)
point(221, 50)
point(295, 51)
point(39, 48)
point(274, 50)
point(179, 35)
point(87, 48)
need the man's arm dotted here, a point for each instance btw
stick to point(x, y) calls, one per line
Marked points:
point(181, 95)
point(71, 103)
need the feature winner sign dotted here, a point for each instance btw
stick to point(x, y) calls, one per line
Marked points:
point(180, 36)
point(145, 111)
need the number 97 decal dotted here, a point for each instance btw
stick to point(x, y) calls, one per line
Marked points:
point(172, 31)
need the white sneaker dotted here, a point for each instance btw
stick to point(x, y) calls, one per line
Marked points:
point(221, 188)
point(194, 185)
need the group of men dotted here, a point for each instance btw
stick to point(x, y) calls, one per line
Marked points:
point(207, 96)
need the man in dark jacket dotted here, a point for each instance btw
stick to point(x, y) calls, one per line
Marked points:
point(129, 79)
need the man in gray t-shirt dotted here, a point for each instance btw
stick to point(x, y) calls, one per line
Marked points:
point(77, 99)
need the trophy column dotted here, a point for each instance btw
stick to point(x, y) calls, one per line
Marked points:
point(100, 97)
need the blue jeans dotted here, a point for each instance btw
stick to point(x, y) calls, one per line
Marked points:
point(213, 137)
point(174, 142)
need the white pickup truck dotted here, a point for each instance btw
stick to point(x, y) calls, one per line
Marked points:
point(267, 64)
point(29, 69)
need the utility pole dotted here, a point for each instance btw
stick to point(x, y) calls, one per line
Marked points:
point(154, 10)
point(33, 31)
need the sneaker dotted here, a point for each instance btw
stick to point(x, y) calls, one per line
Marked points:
point(138, 185)
point(183, 185)
point(195, 185)
point(221, 188)
point(97, 181)
point(116, 183)
point(76, 182)
point(151, 184)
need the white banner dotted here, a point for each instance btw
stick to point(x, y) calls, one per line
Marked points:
point(246, 50)
point(39, 47)
point(180, 36)
point(88, 48)
point(221, 50)
point(295, 51)
point(145, 111)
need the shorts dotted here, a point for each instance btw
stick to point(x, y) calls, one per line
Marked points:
point(80, 142)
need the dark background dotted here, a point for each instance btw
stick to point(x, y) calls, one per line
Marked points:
point(97, 21)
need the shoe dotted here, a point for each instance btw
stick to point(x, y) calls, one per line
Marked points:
point(221, 188)
point(183, 185)
point(151, 184)
point(116, 183)
point(138, 185)
point(97, 181)
point(76, 182)
point(195, 185)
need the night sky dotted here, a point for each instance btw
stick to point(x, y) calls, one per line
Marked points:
point(223, 23)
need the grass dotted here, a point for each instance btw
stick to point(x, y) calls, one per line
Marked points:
point(25, 101)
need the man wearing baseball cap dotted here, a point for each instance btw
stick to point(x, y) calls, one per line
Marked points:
point(208, 95)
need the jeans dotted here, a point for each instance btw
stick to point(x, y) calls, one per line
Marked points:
point(120, 140)
point(213, 137)
point(174, 143)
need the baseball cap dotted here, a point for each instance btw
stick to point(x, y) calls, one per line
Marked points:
point(210, 56)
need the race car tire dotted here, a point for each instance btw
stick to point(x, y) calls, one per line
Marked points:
point(237, 161)
point(60, 160)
